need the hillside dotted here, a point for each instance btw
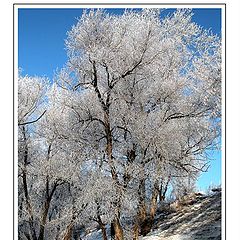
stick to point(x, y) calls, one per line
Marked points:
point(198, 218)
point(195, 217)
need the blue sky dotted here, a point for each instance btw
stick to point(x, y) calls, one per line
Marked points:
point(41, 50)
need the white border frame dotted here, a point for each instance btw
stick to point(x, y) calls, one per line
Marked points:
point(170, 4)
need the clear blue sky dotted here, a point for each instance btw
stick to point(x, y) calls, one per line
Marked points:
point(41, 50)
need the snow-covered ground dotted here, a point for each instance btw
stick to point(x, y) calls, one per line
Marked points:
point(198, 218)
point(95, 235)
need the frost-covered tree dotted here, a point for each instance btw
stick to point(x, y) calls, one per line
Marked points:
point(31, 93)
point(152, 88)
point(48, 161)
point(134, 111)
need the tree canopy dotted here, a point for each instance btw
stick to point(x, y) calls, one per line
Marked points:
point(133, 111)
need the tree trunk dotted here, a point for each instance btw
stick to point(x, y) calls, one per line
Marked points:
point(147, 224)
point(29, 207)
point(153, 207)
point(136, 231)
point(25, 188)
point(43, 220)
point(142, 212)
point(112, 231)
point(161, 196)
point(101, 224)
point(47, 202)
point(104, 232)
point(118, 229)
point(163, 190)
point(118, 232)
point(68, 232)
point(46, 209)
point(109, 147)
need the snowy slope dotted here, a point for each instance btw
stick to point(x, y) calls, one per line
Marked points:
point(199, 220)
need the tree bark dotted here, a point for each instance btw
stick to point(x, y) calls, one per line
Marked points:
point(47, 202)
point(43, 220)
point(29, 207)
point(112, 231)
point(68, 232)
point(142, 212)
point(100, 222)
point(118, 229)
point(45, 213)
point(153, 207)
point(25, 187)
point(103, 229)
point(163, 190)
point(136, 231)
